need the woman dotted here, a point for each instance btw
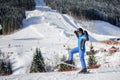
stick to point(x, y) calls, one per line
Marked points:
point(79, 49)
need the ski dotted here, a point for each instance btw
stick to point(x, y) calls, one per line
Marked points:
point(68, 64)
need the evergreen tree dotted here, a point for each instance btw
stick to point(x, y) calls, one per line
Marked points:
point(12, 13)
point(92, 51)
point(2, 67)
point(38, 64)
point(91, 59)
point(5, 68)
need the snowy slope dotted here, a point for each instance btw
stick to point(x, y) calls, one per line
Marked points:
point(49, 30)
point(44, 21)
point(100, 30)
point(66, 76)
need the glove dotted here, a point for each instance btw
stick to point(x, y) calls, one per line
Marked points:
point(75, 32)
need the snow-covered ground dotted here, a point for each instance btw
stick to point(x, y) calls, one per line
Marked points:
point(66, 76)
point(50, 31)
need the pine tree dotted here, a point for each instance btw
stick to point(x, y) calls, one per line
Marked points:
point(12, 13)
point(5, 68)
point(2, 67)
point(91, 52)
point(91, 59)
point(38, 64)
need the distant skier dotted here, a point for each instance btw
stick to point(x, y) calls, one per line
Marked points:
point(82, 38)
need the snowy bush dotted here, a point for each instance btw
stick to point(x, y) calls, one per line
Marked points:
point(64, 67)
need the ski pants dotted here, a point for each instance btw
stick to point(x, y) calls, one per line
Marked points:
point(81, 55)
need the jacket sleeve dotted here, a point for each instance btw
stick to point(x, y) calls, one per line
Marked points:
point(82, 44)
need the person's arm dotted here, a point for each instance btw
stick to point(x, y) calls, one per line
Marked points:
point(83, 44)
point(87, 35)
point(76, 33)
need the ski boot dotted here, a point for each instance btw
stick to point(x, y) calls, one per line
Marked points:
point(69, 61)
point(84, 71)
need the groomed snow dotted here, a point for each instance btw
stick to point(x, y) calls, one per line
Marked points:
point(65, 76)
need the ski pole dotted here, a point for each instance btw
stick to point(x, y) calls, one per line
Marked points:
point(67, 41)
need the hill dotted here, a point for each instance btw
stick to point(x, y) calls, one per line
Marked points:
point(106, 10)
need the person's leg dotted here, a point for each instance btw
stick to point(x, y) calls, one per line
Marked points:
point(81, 54)
point(73, 51)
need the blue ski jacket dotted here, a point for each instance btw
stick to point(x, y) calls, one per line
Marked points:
point(81, 41)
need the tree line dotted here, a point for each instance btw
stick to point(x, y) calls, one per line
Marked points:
point(106, 10)
point(12, 13)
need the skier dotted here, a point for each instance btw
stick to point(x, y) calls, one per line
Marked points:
point(82, 38)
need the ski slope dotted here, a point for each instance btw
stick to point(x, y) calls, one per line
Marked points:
point(49, 30)
point(65, 76)
point(100, 30)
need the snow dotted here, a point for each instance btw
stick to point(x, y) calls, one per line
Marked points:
point(100, 30)
point(65, 76)
point(49, 30)
point(29, 33)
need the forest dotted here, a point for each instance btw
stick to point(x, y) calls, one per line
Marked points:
point(106, 10)
point(12, 13)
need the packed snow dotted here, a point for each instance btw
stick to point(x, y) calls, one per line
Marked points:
point(53, 33)
point(65, 76)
